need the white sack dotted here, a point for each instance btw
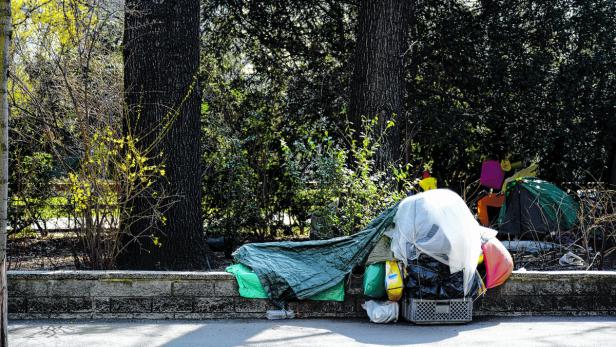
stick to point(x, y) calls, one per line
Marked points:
point(381, 311)
point(437, 223)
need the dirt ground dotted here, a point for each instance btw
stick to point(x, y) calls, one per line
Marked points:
point(56, 252)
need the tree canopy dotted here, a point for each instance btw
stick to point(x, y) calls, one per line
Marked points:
point(281, 146)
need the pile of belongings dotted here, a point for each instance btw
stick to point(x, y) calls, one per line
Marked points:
point(523, 205)
point(427, 246)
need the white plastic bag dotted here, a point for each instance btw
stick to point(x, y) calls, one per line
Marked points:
point(438, 223)
point(381, 311)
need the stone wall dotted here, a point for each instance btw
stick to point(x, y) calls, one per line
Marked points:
point(552, 293)
point(213, 295)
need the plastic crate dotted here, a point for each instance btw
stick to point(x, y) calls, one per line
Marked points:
point(420, 311)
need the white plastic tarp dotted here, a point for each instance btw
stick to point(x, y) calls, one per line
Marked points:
point(439, 224)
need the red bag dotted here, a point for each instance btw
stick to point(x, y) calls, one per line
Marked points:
point(498, 262)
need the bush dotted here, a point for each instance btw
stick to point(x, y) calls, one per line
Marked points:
point(30, 190)
point(312, 181)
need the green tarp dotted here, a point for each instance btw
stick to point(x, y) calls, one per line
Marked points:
point(250, 287)
point(248, 283)
point(299, 270)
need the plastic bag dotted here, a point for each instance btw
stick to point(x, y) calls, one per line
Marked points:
point(439, 224)
point(374, 281)
point(393, 280)
point(498, 263)
point(430, 279)
point(428, 183)
point(381, 311)
point(492, 174)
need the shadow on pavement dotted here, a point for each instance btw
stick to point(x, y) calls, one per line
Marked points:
point(308, 332)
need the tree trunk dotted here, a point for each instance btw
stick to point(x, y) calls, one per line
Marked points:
point(377, 83)
point(612, 167)
point(161, 63)
point(5, 23)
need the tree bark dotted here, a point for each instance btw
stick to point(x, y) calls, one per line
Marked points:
point(5, 23)
point(377, 83)
point(612, 167)
point(161, 63)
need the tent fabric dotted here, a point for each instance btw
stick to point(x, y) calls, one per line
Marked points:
point(536, 206)
point(498, 263)
point(298, 270)
point(381, 252)
point(248, 282)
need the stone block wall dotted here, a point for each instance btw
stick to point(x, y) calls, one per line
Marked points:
point(151, 295)
point(214, 295)
point(552, 293)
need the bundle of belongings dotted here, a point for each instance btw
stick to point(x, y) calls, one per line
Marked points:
point(426, 247)
point(522, 205)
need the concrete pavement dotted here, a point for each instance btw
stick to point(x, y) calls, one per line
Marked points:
point(520, 331)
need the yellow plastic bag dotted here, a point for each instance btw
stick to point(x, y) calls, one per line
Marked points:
point(393, 280)
point(428, 183)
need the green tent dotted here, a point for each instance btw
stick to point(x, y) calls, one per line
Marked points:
point(301, 270)
point(536, 206)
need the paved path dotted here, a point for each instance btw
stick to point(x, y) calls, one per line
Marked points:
point(535, 331)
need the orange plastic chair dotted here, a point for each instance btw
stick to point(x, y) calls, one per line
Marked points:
point(490, 200)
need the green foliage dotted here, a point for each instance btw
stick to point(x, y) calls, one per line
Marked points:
point(531, 79)
point(269, 186)
point(30, 186)
point(341, 188)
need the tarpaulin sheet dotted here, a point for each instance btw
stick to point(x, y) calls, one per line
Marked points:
point(250, 287)
point(298, 270)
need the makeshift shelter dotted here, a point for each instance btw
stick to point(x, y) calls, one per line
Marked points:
point(436, 224)
point(300, 270)
point(536, 207)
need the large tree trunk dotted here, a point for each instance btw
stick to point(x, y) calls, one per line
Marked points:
point(612, 167)
point(377, 84)
point(5, 24)
point(161, 62)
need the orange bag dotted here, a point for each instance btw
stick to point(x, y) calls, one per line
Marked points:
point(498, 262)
